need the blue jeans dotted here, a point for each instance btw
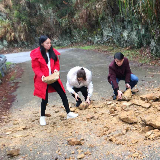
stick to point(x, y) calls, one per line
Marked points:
point(132, 83)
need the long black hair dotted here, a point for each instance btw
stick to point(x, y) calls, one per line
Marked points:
point(43, 50)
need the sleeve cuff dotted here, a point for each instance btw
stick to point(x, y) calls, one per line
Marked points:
point(42, 77)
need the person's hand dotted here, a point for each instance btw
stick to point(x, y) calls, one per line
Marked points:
point(119, 94)
point(88, 100)
point(55, 70)
point(127, 85)
point(76, 96)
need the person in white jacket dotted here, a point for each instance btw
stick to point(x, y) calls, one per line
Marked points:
point(80, 79)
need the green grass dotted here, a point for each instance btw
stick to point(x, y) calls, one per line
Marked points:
point(87, 47)
point(8, 64)
point(59, 47)
point(12, 78)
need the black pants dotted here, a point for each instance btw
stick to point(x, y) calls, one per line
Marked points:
point(84, 93)
point(62, 94)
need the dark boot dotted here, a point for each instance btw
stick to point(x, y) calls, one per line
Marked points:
point(78, 103)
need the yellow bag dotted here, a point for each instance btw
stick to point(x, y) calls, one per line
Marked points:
point(51, 78)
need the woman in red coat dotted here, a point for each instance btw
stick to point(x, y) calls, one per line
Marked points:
point(45, 62)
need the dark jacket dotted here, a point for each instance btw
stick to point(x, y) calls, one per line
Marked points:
point(121, 72)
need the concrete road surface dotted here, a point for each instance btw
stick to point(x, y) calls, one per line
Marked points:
point(96, 62)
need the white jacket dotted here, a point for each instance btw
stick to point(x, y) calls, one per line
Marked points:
point(73, 82)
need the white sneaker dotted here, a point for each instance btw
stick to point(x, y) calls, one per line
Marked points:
point(71, 115)
point(42, 120)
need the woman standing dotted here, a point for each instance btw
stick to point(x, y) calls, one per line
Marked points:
point(45, 62)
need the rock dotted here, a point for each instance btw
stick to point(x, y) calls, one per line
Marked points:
point(135, 90)
point(126, 104)
point(128, 117)
point(111, 111)
point(15, 122)
point(73, 109)
point(147, 128)
point(48, 115)
point(80, 156)
point(153, 134)
point(135, 155)
point(9, 132)
point(56, 111)
point(87, 153)
point(127, 95)
point(152, 120)
point(114, 108)
point(109, 102)
point(13, 152)
point(142, 103)
point(83, 106)
point(89, 117)
point(149, 97)
point(156, 105)
point(73, 141)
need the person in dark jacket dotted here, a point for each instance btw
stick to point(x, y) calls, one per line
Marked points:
point(119, 69)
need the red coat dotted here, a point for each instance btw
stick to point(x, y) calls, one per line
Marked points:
point(40, 68)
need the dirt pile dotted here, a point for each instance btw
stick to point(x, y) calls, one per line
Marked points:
point(117, 129)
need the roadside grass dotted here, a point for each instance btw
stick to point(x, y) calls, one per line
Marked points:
point(12, 78)
point(8, 64)
point(131, 54)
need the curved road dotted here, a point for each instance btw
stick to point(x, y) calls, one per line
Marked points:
point(96, 62)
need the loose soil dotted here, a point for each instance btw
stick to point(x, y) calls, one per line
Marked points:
point(104, 130)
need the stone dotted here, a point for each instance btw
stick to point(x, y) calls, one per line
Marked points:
point(109, 102)
point(126, 104)
point(142, 103)
point(156, 105)
point(147, 128)
point(114, 108)
point(80, 156)
point(128, 117)
point(127, 95)
point(73, 109)
point(13, 152)
point(149, 97)
point(83, 106)
point(152, 120)
point(153, 134)
point(48, 115)
point(73, 141)
point(111, 111)
point(89, 117)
